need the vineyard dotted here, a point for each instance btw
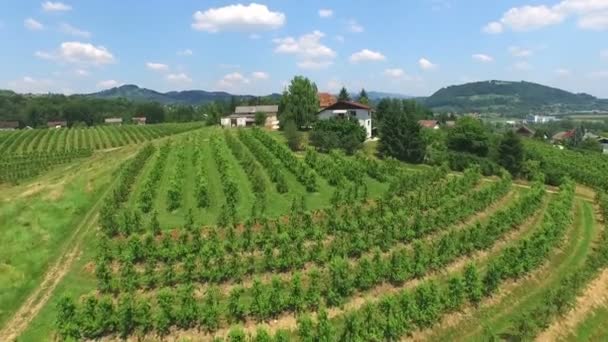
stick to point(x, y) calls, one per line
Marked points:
point(228, 235)
point(27, 153)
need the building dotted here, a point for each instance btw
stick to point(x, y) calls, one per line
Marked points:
point(57, 124)
point(539, 119)
point(9, 125)
point(351, 111)
point(244, 116)
point(113, 121)
point(563, 136)
point(524, 131)
point(604, 142)
point(326, 100)
point(139, 120)
point(430, 124)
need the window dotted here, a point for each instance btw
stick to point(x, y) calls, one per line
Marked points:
point(352, 113)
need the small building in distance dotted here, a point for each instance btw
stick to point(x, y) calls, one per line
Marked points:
point(9, 125)
point(524, 131)
point(326, 100)
point(350, 111)
point(560, 137)
point(57, 124)
point(430, 124)
point(113, 121)
point(244, 116)
point(139, 120)
point(604, 142)
point(540, 119)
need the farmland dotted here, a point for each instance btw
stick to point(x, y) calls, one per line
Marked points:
point(228, 234)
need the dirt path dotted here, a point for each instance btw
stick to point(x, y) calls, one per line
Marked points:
point(595, 295)
point(40, 296)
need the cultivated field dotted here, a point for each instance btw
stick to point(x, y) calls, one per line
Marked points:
point(228, 234)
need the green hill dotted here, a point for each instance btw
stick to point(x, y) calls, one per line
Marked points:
point(515, 98)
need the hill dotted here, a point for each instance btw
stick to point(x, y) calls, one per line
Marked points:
point(189, 97)
point(378, 95)
point(515, 98)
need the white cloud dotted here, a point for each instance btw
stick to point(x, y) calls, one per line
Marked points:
point(309, 50)
point(425, 64)
point(563, 72)
point(179, 78)
point(592, 15)
point(238, 18)
point(77, 52)
point(366, 55)
point(107, 84)
point(314, 65)
point(394, 73)
point(520, 52)
point(260, 75)
point(82, 72)
point(33, 25)
point(483, 58)
point(49, 6)
point(232, 80)
point(493, 28)
point(355, 27)
point(29, 84)
point(157, 66)
point(71, 30)
point(522, 66)
point(326, 13)
point(185, 52)
point(595, 21)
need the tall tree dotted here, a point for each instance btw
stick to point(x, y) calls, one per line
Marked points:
point(401, 136)
point(470, 136)
point(299, 102)
point(344, 95)
point(511, 153)
point(363, 98)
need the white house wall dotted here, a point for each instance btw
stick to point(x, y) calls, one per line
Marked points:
point(363, 116)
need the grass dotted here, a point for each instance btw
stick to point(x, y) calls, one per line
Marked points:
point(37, 219)
point(593, 328)
point(531, 290)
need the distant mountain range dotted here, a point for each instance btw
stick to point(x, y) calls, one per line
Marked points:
point(511, 98)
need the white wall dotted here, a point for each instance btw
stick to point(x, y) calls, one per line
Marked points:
point(363, 116)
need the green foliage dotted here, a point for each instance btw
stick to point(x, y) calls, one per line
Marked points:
point(330, 134)
point(344, 95)
point(260, 119)
point(293, 136)
point(299, 102)
point(511, 153)
point(363, 98)
point(469, 136)
point(401, 137)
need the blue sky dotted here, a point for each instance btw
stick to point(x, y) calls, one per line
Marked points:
point(411, 47)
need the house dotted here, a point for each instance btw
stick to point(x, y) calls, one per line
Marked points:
point(430, 124)
point(57, 124)
point(244, 116)
point(9, 125)
point(540, 119)
point(326, 100)
point(524, 131)
point(350, 111)
point(113, 121)
point(563, 136)
point(450, 123)
point(139, 120)
point(604, 142)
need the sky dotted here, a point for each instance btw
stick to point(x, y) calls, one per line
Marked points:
point(412, 47)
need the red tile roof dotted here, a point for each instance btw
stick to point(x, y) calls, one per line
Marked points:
point(326, 100)
point(347, 105)
point(428, 123)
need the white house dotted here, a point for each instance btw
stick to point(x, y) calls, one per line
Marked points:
point(536, 119)
point(245, 116)
point(351, 111)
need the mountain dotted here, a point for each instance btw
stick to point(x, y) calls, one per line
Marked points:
point(188, 97)
point(515, 98)
point(378, 95)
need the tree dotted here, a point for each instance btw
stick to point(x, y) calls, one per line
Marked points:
point(363, 98)
point(294, 138)
point(591, 145)
point(401, 137)
point(470, 136)
point(299, 102)
point(511, 153)
point(260, 119)
point(335, 133)
point(153, 111)
point(344, 95)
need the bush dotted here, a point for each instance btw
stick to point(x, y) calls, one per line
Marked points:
point(294, 138)
point(332, 134)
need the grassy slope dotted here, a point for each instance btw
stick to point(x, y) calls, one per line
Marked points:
point(38, 217)
point(530, 291)
point(593, 328)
